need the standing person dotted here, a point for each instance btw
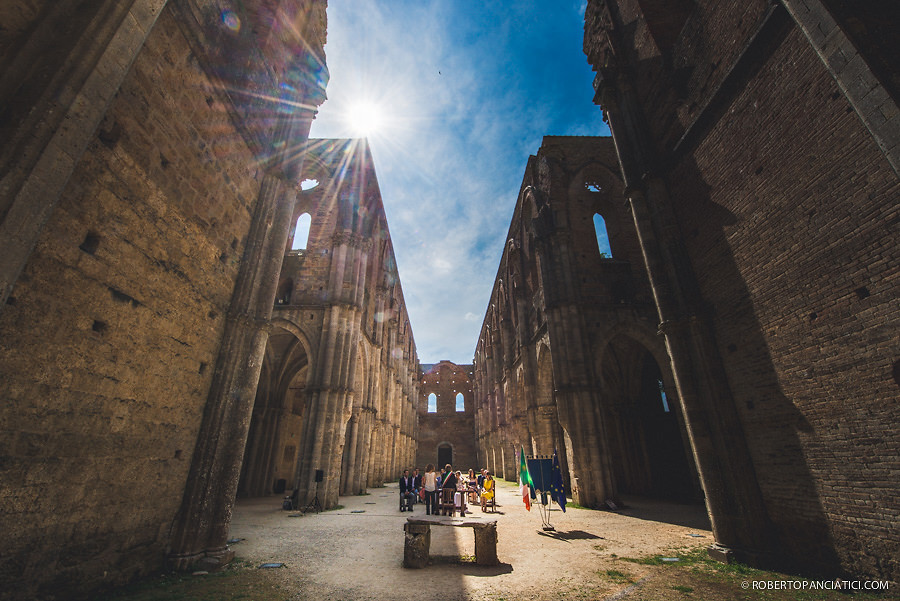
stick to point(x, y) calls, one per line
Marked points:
point(429, 481)
point(450, 480)
point(406, 492)
point(448, 486)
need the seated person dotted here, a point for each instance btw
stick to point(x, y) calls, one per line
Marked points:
point(406, 491)
point(487, 493)
point(472, 487)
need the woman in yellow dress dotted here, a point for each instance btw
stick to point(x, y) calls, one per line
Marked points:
point(487, 493)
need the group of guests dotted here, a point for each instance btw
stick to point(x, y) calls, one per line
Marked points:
point(428, 486)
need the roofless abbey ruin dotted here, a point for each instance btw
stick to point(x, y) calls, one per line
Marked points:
point(201, 303)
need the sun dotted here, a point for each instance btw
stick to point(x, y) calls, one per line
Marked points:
point(364, 119)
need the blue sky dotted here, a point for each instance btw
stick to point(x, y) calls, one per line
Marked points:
point(463, 91)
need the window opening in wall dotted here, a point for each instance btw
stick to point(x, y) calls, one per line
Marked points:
point(308, 184)
point(460, 402)
point(301, 232)
point(91, 243)
point(602, 237)
point(432, 403)
point(662, 395)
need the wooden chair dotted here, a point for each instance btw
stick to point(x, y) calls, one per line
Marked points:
point(448, 507)
point(490, 503)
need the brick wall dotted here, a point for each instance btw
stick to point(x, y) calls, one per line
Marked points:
point(789, 237)
point(787, 208)
point(447, 425)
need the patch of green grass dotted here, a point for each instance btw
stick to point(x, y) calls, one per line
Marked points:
point(599, 548)
point(682, 589)
point(335, 508)
point(618, 576)
point(705, 568)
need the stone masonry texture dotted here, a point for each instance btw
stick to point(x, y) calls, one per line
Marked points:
point(783, 199)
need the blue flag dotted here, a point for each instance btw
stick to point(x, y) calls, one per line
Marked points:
point(557, 492)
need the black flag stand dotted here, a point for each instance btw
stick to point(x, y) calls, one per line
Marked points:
point(544, 509)
point(538, 463)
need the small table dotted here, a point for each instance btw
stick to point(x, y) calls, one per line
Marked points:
point(418, 541)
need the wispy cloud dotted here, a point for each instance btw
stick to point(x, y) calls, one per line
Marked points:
point(467, 92)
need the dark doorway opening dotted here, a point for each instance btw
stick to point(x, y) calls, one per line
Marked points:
point(445, 455)
point(649, 445)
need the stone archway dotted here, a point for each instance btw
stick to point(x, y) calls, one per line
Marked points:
point(273, 442)
point(444, 455)
point(650, 455)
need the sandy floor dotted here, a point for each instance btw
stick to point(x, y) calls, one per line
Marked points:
point(357, 552)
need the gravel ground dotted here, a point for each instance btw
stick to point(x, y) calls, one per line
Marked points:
point(357, 552)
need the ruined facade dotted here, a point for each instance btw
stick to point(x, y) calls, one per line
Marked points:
point(758, 150)
point(150, 177)
point(568, 358)
point(340, 377)
point(446, 416)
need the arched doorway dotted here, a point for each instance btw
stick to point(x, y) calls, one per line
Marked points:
point(445, 455)
point(650, 454)
point(273, 442)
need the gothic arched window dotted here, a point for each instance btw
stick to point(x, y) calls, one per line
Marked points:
point(301, 232)
point(602, 237)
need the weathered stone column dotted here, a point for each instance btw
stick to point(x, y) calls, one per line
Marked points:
point(486, 544)
point(201, 528)
point(330, 400)
point(573, 397)
point(726, 471)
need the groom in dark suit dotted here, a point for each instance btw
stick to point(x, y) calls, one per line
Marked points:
point(406, 491)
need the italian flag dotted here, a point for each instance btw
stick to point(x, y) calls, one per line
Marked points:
point(525, 480)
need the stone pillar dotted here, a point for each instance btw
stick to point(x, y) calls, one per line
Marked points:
point(486, 544)
point(417, 545)
point(574, 398)
point(330, 401)
point(726, 471)
point(350, 467)
point(201, 528)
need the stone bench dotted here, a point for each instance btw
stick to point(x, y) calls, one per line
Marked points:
point(418, 541)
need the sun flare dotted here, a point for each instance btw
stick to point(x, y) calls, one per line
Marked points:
point(364, 119)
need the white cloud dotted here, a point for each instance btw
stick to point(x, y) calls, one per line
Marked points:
point(461, 118)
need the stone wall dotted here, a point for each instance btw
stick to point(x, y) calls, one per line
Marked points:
point(340, 375)
point(447, 426)
point(112, 326)
point(568, 359)
point(769, 180)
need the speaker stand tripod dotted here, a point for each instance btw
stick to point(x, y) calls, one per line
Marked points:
point(314, 504)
